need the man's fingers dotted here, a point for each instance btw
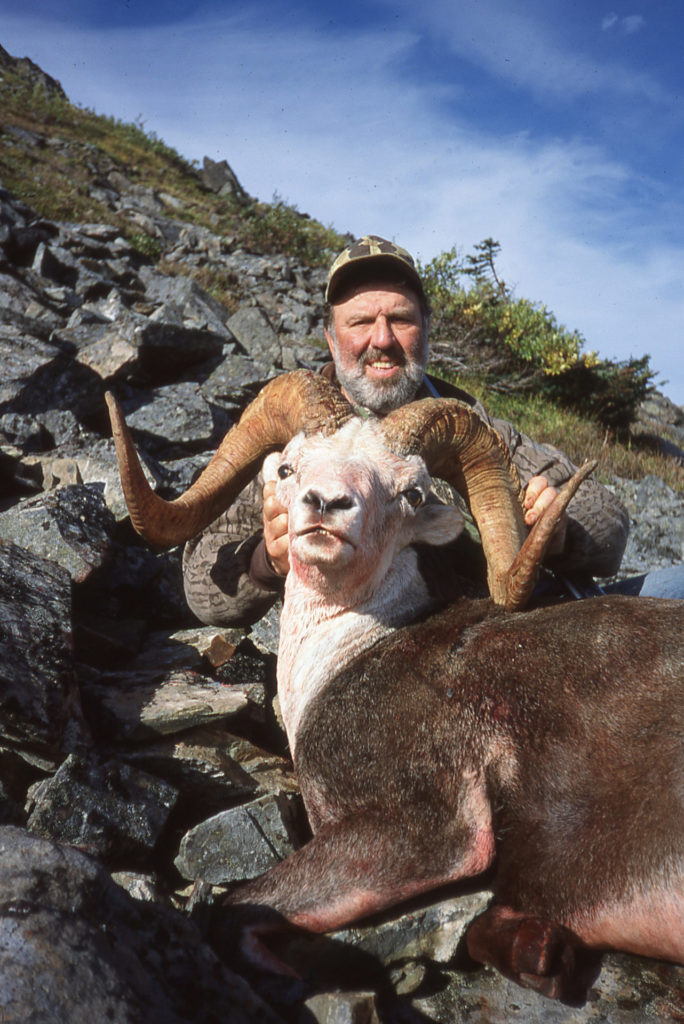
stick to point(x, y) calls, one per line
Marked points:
point(273, 509)
point(540, 503)
point(537, 499)
point(535, 488)
point(269, 493)
point(278, 551)
point(275, 530)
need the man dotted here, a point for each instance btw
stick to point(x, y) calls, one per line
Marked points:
point(377, 322)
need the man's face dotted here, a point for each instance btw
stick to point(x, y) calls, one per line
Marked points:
point(378, 340)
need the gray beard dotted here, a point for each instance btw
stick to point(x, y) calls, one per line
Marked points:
point(378, 397)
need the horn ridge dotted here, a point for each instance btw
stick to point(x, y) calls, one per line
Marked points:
point(300, 400)
point(460, 447)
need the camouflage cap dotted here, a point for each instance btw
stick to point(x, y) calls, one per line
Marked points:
point(367, 257)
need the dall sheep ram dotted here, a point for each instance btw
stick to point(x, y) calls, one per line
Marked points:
point(434, 743)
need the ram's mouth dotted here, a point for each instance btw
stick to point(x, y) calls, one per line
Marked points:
point(319, 530)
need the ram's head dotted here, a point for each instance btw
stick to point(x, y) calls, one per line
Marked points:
point(353, 507)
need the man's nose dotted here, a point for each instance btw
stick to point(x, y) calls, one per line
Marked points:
point(383, 335)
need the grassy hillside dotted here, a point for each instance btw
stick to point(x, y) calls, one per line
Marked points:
point(510, 352)
point(52, 152)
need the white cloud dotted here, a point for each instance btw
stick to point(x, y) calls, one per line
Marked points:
point(629, 25)
point(513, 44)
point(336, 126)
point(610, 21)
point(633, 23)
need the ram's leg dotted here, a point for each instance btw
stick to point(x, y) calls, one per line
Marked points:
point(350, 869)
point(537, 953)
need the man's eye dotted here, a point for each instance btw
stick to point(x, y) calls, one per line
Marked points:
point(403, 321)
point(284, 471)
point(414, 496)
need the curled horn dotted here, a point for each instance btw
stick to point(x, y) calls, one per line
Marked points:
point(459, 447)
point(524, 570)
point(295, 401)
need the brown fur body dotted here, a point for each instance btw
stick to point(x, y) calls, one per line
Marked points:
point(549, 743)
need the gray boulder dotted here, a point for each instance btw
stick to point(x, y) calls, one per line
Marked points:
point(75, 948)
point(110, 809)
point(71, 526)
point(39, 703)
point(240, 843)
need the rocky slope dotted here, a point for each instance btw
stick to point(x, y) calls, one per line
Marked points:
point(143, 768)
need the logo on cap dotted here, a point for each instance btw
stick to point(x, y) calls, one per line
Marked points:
point(371, 247)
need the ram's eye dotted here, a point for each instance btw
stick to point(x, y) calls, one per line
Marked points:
point(284, 471)
point(414, 496)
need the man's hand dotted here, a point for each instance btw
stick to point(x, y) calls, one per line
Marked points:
point(538, 496)
point(275, 530)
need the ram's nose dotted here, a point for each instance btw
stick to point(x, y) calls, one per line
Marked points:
point(323, 503)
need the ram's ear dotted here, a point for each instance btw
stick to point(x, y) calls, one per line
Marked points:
point(437, 524)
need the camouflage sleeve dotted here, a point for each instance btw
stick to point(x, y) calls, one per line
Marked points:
point(598, 523)
point(219, 587)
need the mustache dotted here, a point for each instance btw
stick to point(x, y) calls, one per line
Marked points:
point(372, 355)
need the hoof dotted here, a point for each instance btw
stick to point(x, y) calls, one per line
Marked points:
point(536, 953)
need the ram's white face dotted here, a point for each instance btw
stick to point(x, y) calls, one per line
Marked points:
point(353, 505)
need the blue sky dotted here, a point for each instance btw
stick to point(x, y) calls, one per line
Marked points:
point(554, 128)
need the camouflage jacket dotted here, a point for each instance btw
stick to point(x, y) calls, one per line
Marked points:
point(228, 581)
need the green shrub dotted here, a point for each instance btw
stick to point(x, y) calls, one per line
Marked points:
point(531, 331)
point(146, 244)
point(279, 227)
point(609, 391)
point(544, 354)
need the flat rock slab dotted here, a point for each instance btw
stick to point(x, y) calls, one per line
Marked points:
point(240, 843)
point(167, 348)
point(214, 769)
point(143, 705)
point(401, 943)
point(175, 420)
point(194, 305)
point(254, 331)
point(343, 1008)
point(234, 382)
point(434, 931)
point(188, 648)
point(22, 357)
point(42, 378)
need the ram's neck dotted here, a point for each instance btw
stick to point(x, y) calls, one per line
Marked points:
point(318, 636)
